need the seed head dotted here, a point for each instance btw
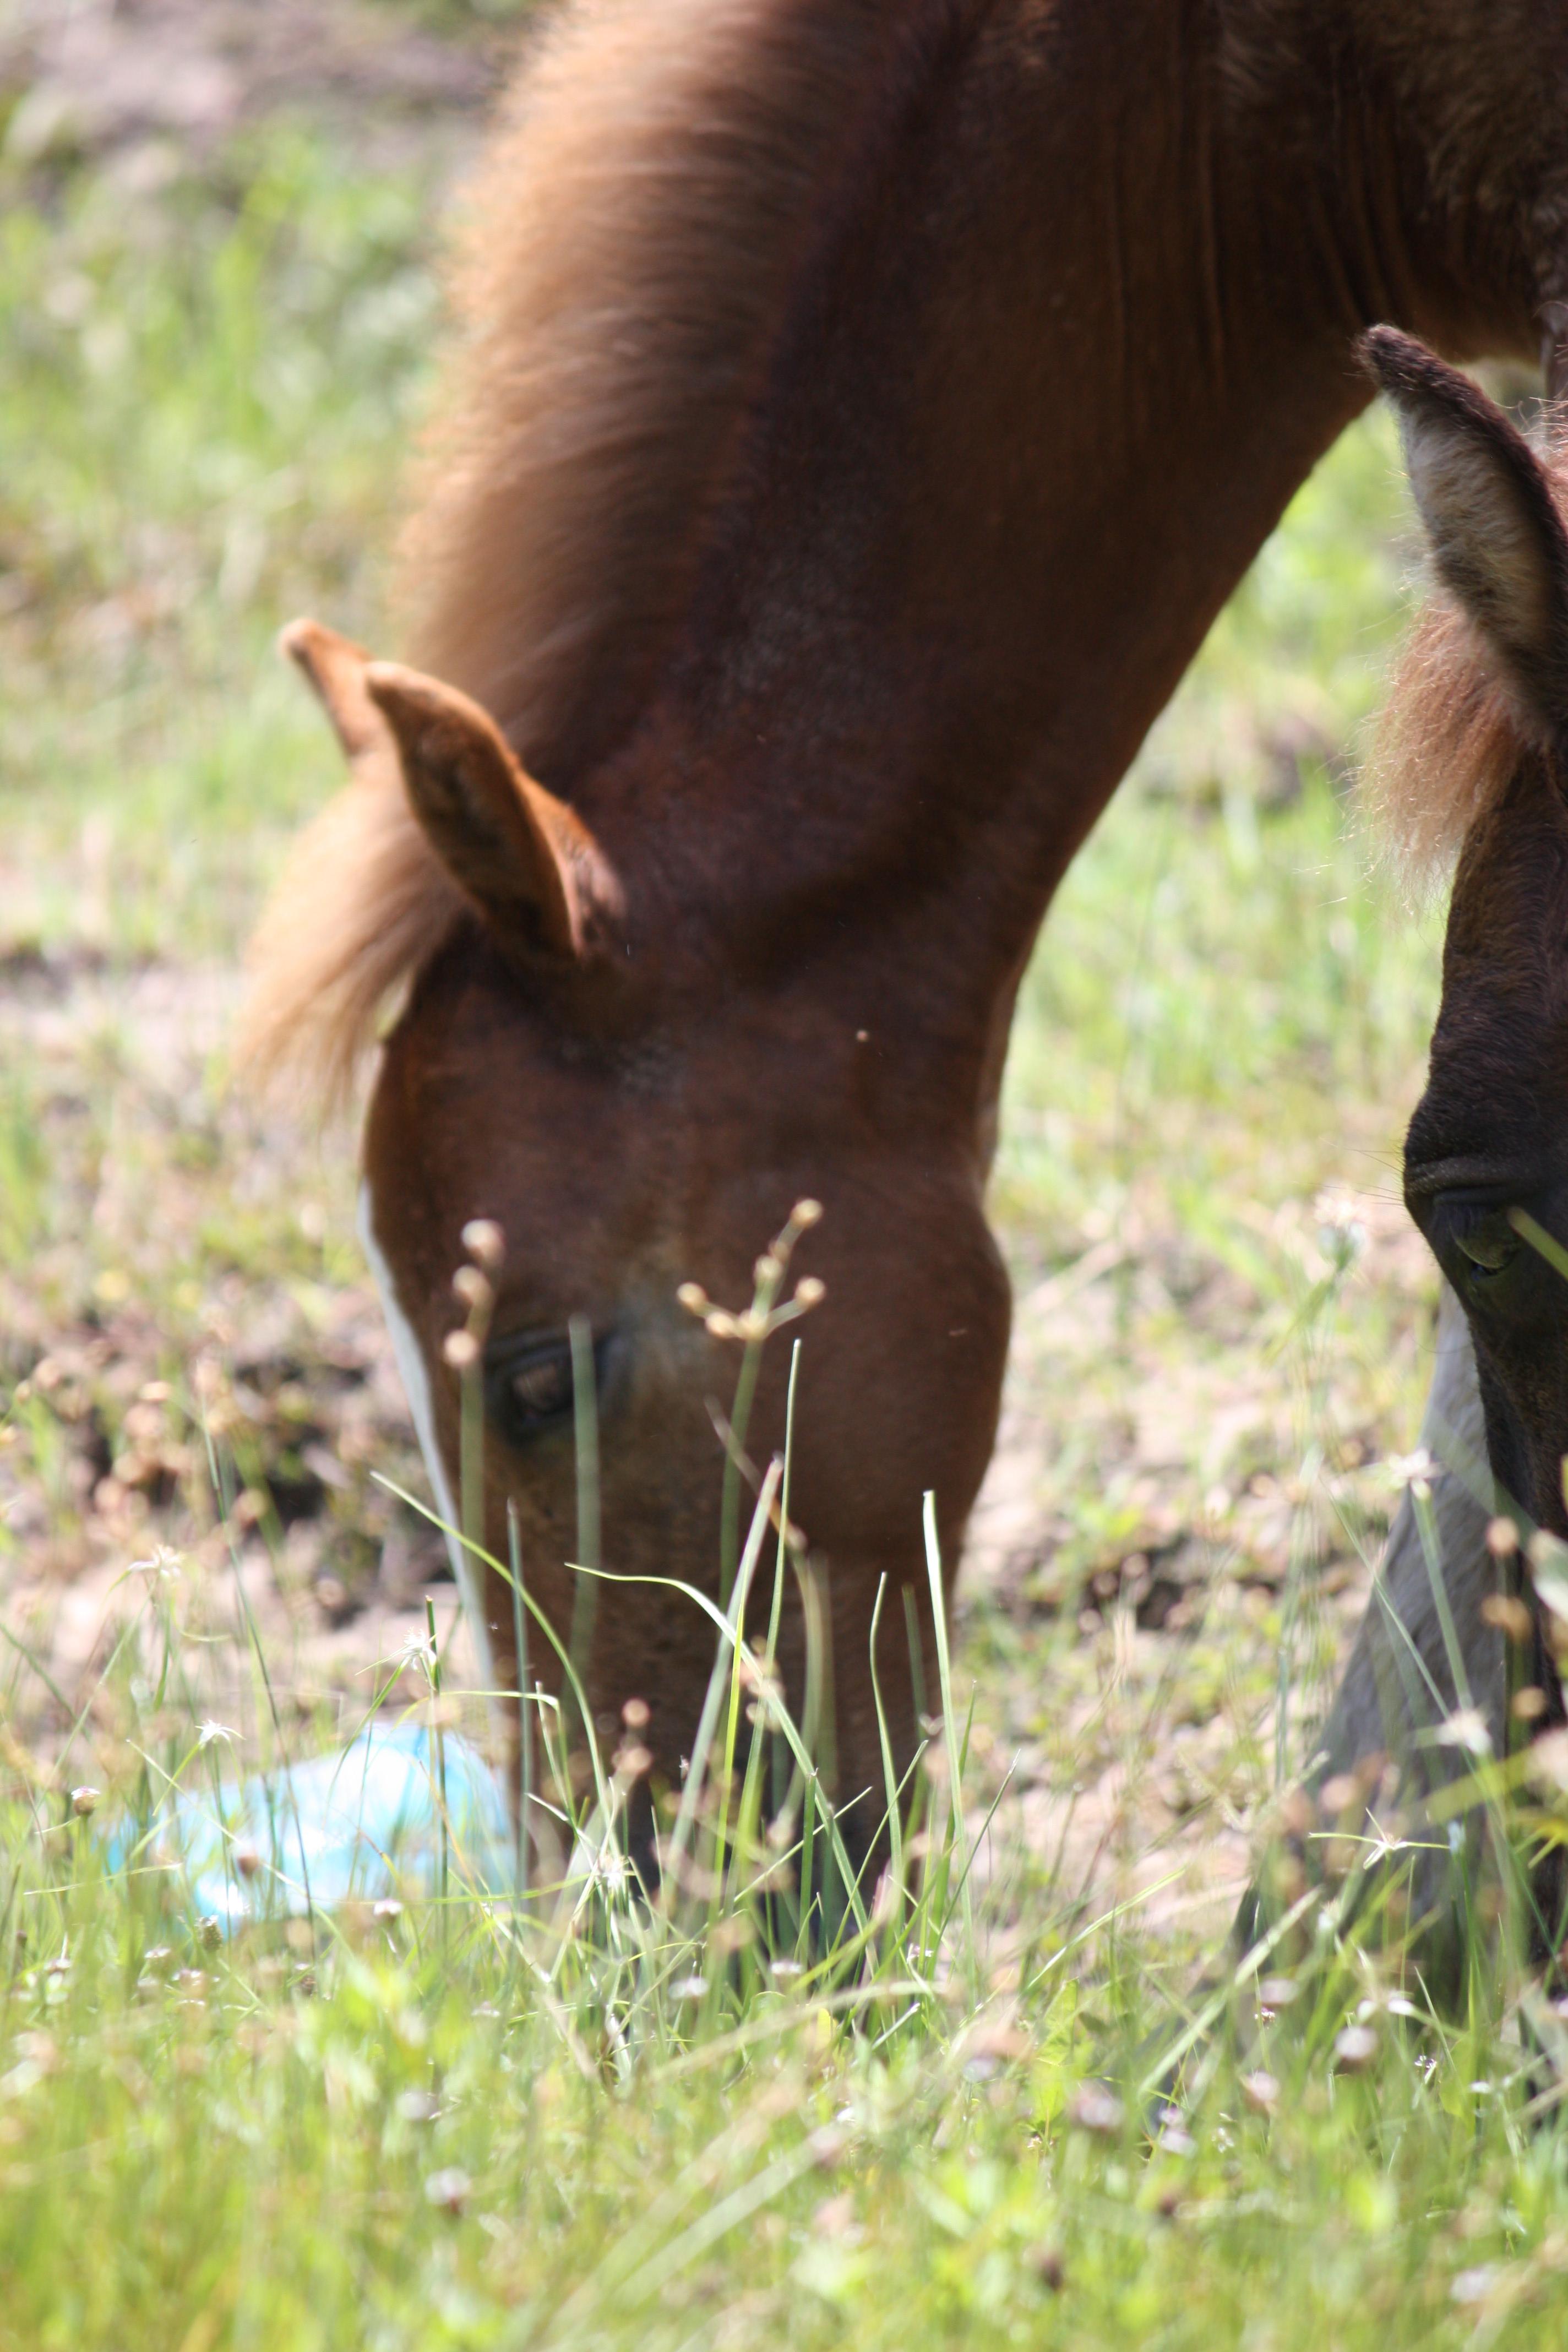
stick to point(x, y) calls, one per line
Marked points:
point(474, 1290)
point(768, 1268)
point(635, 1715)
point(804, 1215)
point(485, 1242)
point(85, 1800)
point(1510, 1615)
point(721, 1325)
point(810, 1292)
point(1502, 1538)
point(461, 1351)
point(246, 1861)
point(693, 1297)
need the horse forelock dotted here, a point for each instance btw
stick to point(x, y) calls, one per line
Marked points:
point(629, 252)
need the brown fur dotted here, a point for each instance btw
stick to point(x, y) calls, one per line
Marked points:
point(625, 254)
point(629, 249)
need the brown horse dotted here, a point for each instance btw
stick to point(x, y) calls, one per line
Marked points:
point(864, 412)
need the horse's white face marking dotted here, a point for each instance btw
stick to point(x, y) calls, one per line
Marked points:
point(416, 1388)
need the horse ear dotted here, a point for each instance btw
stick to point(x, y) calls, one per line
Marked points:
point(1497, 537)
point(334, 668)
point(517, 852)
point(512, 846)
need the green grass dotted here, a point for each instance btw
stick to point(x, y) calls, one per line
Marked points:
point(472, 2129)
point(456, 2122)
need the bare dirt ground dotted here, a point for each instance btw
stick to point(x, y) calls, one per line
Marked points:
point(100, 74)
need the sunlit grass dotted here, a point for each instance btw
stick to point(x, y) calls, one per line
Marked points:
point(586, 2117)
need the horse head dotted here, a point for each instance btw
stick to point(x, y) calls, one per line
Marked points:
point(1483, 721)
point(623, 1130)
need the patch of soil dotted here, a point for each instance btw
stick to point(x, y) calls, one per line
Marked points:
point(115, 73)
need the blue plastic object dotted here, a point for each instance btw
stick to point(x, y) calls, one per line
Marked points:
point(365, 1823)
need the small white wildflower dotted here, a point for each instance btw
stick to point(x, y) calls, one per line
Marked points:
point(448, 2188)
point(209, 1731)
point(418, 1655)
point(1465, 1728)
point(608, 1870)
point(1416, 1470)
point(1172, 2134)
point(1095, 2109)
point(1341, 1236)
point(1355, 2048)
point(161, 1562)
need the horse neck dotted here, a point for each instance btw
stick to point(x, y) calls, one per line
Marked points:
point(1019, 441)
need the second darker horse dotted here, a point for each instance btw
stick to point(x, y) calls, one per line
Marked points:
point(1479, 755)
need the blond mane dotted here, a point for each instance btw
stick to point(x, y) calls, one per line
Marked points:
point(623, 271)
point(1450, 735)
point(1446, 743)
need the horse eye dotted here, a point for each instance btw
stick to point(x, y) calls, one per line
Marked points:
point(1488, 1252)
point(528, 1386)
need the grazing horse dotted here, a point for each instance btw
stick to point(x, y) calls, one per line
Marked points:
point(1478, 757)
point(864, 410)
